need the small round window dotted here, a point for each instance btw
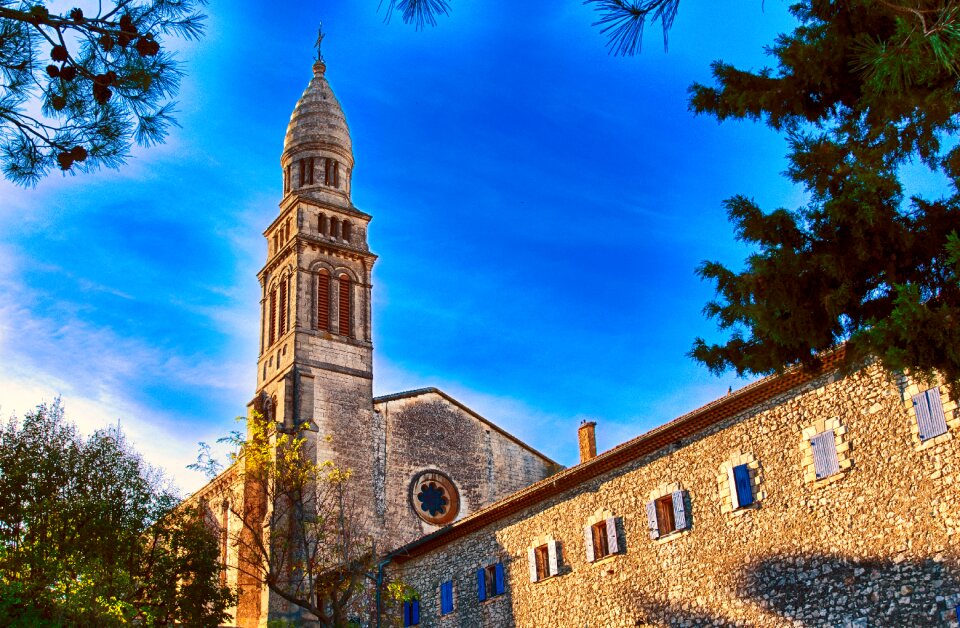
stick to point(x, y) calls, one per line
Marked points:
point(434, 498)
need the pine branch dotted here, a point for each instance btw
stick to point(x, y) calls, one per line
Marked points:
point(623, 21)
point(417, 12)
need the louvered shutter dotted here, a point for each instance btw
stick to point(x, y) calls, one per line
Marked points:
point(824, 446)
point(498, 579)
point(553, 552)
point(588, 542)
point(446, 597)
point(323, 300)
point(732, 480)
point(679, 511)
point(742, 485)
point(481, 585)
point(652, 520)
point(344, 327)
point(407, 614)
point(532, 560)
point(930, 418)
point(414, 612)
point(612, 545)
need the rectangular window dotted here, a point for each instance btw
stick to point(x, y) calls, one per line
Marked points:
point(667, 514)
point(411, 613)
point(665, 519)
point(490, 581)
point(931, 420)
point(741, 489)
point(303, 172)
point(601, 547)
point(542, 561)
point(331, 173)
point(446, 597)
point(310, 171)
point(824, 447)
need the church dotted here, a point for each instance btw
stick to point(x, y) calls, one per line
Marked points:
point(824, 497)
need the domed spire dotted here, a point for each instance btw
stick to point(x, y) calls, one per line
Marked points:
point(318, 120)
point(317, 159)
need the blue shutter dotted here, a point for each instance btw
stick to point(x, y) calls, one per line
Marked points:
point(407, 614)
point(652, 520)
point(481, 584)
point(679, 511)
point(744, 489)
point(499, 579)
point(929, 409)
point(824, 446)
point(414, 612)
point(446, 597)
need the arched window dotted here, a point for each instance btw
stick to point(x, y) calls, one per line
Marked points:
point(347, 230)
point(322, 225)
point(283, 307)
point(310, 171)
point(345, 289)
point(286, 179)
point(303, 172)
point(323, 300)
point(276, 242)
point(272, 333)
point(334, 227)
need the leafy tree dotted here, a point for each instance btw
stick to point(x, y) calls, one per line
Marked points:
point(80, 87)
point(300, 531)
point(89, 536)
point(861, 90)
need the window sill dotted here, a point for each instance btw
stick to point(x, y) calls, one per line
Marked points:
point(670, 536)
point(921, 445)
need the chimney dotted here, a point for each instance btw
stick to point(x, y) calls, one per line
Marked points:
point(588, 440)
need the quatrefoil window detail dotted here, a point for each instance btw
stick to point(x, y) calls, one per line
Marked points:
point(434, 497)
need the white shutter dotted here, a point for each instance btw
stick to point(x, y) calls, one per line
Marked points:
point(553, 550)
point(612, 544)
point(532, 559)
point(679, 511)
point(652, 520)
point(733, 487)
point(588, 541)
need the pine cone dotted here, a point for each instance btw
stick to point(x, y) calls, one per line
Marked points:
point(78, 153)
point(65, 161)
point(53, 71)
point(59, 53)
point(58, 102)
point(68, 73)
point(77, 15)
point(106, 42)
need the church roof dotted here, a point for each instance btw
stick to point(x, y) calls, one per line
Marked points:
point(688, 426)
point(318, 118)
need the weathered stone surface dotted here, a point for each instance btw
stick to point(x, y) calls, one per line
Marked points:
point(873, 547)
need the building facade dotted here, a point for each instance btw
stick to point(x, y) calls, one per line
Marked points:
point(807, 499)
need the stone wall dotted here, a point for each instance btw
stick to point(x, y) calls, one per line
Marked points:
point(425, 430)
point(875, 545)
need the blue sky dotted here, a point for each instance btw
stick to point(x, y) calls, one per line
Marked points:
point(539, 210)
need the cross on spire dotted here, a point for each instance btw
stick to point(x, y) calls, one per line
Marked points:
point(317, 45)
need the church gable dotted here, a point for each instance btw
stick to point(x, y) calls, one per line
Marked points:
point(443, 461)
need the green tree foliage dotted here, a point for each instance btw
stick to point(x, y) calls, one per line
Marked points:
point(301, 531)
point(89, 536)
point(79, 87)
point(862, 89)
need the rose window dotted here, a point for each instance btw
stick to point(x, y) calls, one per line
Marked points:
point(434, 498)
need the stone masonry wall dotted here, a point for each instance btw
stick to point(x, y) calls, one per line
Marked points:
point(876, 545)
point(428, 432)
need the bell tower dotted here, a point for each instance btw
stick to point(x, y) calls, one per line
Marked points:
point(315, 364)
